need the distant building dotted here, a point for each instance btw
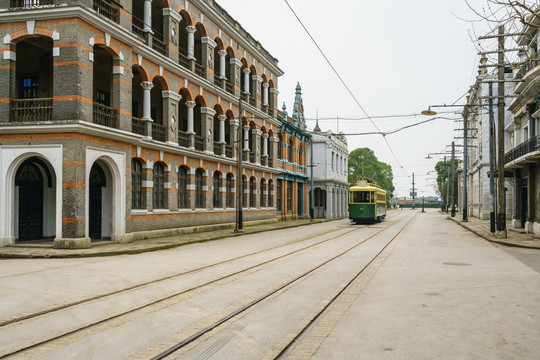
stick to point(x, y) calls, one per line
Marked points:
point(330, 172)
point(291, 187)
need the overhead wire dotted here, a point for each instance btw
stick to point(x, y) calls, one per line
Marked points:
point(344, 84)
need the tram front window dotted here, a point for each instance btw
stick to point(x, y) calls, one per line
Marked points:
point(361, 197)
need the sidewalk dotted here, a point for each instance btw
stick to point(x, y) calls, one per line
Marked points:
point(515, 237)
point(108, 248)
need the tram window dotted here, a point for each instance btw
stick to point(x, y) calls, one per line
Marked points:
point(360, 197)
point(372, 197)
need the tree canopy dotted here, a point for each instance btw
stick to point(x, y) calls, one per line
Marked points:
point(363, 162)
point(444, 176)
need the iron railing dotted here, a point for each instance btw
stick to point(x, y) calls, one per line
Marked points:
point(199, 143)
point(159, 132)
point(158, 44)
point(270, 111)
point(252, 101)
point(183, 59)
point(528, 65)
point(229, 87)
point(199, 69)
point(138, 126)
point(217, 148)
point(30, 110)
point(183, 139)
point(217, 80)
point(106, 9)
point(30, 3)
point(527, 147)
point(270, 162)
point(252, 158)
point(104, 115)
point(229, 151)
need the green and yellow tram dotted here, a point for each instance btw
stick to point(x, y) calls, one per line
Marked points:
point(367, 202)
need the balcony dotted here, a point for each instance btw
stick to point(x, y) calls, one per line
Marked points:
point(530, 146)
point(217, 148)
point(104, 115)
point(252, 101)
point(183, 139)
point(199, 69)
point(31, 110)
point(138, 126)
point(31, 3)
point(183, 59)
point(199, 143)
point(229, 151)
point(106, 9)
point(528, 65)
point(229, 87)
point(159, 45)
point(159, 132)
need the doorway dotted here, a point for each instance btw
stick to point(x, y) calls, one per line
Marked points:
point(97, 183)
point(524, 202)
point(30, 183)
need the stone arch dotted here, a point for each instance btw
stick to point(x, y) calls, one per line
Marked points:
point(162, 80)
point(186, 16)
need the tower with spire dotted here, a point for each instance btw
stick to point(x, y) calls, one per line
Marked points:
point(298, 109)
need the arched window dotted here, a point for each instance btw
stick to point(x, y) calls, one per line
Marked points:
point(229, 186)
point(263, 195)
point(159, 185)
point(183, 198)
point(270, 193)
point(216, 202)
point(103, 113)
point(244, 200)
point(136, 185)
point(252, 192)
point(291, 146)
point(199, 197)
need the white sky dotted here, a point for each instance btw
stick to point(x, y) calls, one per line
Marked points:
point(396, 56)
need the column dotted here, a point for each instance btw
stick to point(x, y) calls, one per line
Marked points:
point(190, 106)
point(234, 137)
point(208, 46)
point(147, 117)
point(265, 145)
point(246, 138)
point(236, 72)
point(191, 42)
point(222, 119)
point(246, 80)
point(265, 94)
point(148, 16)
point(207, 128)
point(222, 58)
point(256, 133)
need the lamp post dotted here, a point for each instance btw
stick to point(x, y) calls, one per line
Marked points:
point(239, 180)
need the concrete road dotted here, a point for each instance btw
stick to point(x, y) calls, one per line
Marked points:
point(438, 292)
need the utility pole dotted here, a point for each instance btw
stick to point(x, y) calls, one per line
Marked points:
point(239, 180)
point(491, 161)
point(312, 193)
point(465, 161)
point(501, 196)
point(413, 193)
point(447, 186)
point(453, 211)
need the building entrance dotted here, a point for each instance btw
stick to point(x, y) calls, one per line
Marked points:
point(97, 183)
point(30, 183)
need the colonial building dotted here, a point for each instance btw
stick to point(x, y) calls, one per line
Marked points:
point(523, 158)
point(292, 160)
point(330, 169)
point(121, 118)
point(478, 115)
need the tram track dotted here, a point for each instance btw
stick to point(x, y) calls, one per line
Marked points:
point(273, 292)
point(340, 232)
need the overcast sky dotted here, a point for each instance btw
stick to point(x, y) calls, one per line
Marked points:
point(397, 57)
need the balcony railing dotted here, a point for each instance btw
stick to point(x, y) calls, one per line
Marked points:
point(252, 158)
point(270, 162)
point(183, 58)
point(252, 101)
point(229, 87)
point(159, 132)
point(138, 126)
point(158, 44)
point(31, 110)
point(217, 80)
point(199, 69)
point(106, 9)
point(104, 115)
point(527, 147)
point(183, 139)
point(199, 143)
point(229, 151)
point(30, 3)
point(270, 111)
point(217, 148)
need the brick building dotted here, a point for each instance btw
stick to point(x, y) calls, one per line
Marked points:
point(121, 117)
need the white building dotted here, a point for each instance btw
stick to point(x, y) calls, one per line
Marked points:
point(329, 168)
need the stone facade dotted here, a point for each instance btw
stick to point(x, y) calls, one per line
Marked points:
point(128, 119)
point(329, 168)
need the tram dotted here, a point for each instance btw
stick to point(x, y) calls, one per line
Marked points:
point(367, 202)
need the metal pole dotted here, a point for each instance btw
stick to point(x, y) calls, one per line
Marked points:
point(413, 191)
point(312, 194)
point(447, 186)
point(491, 162)
point(453, 211)
point(465, 162)
point(423, 204)
point(501, 196)
point(239, 180)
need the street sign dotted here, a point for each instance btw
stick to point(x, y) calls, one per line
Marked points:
point(414, 194)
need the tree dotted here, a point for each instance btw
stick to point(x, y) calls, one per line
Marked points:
point(444, 169)
point(364, 163)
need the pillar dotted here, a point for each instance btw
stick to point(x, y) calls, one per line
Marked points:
point(234, 123)
point(147, 117)
point(171, 23)
point(257, 134)
point(265, 94)
point(147, 16)
point(208, 46)
point(222, 59)
point(207, 128)
point(170, 115)
point(190, 118)
point(236, 72)
point(256, 90)
point(246, 80)
point(191, 42)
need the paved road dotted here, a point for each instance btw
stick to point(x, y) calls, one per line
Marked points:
point(436, 292)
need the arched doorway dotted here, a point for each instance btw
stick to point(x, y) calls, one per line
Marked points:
point(97, 183)
point(30, 183)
